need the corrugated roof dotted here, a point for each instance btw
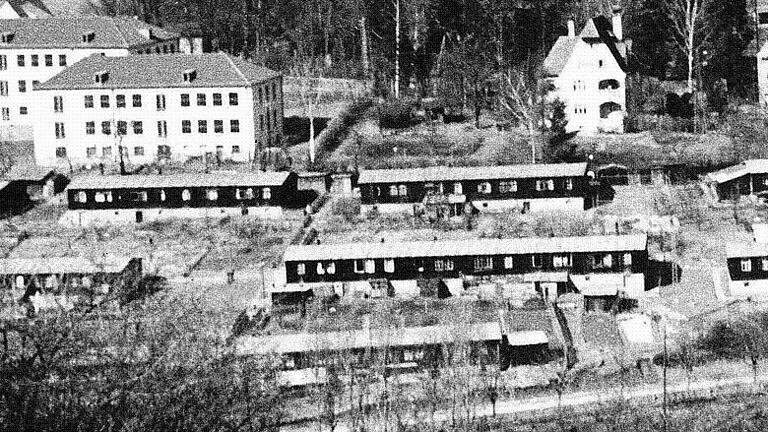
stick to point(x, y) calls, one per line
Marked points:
point(446, 248)
point(159, 71)
point(139, 181)
point(746, 250)
point(752, 166)
point(472, 173)
point(358, 339)
point(28, 173)
point(57, 32)
point(61, 265)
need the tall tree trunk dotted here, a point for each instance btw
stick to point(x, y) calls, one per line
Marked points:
point(244, 5)
point(364, 48)
point(311, 134)
point(397, 49)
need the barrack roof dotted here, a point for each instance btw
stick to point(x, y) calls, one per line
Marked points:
point(109, 32)
point(160, 71)
point(139, 181)
point(752, 166)
point(473, 173)
point(446, 248)
point(359, 339)
point(32, 173)
point(746, 250)
point(62, 265)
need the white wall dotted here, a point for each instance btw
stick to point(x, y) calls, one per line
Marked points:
point(537, 205)
point(183, 145)
point(756, 289)
point(42, 73)
point(128, 216)
point(584, 71)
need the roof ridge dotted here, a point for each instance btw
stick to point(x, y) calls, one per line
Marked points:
point(237, 69)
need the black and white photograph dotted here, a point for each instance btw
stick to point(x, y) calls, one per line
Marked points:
point(383, 215)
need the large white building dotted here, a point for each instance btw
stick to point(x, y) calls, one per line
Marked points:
point(588, 71)
point(34, 50)
point(157, 107)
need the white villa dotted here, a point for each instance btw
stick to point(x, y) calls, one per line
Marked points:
point(589, 73)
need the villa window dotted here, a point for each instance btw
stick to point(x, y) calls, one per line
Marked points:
point(746, 265)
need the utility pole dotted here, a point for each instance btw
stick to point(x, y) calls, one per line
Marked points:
point(397, 49)
point(664, 371)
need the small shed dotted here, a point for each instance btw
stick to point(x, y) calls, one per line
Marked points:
point(40, 182)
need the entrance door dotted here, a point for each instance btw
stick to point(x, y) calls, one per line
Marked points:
point(139, 217)
point(526, 206)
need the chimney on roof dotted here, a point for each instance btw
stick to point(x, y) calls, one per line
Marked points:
point(571, 29)
point(618, 29)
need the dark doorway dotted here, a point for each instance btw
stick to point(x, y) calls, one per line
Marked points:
point(139, 217)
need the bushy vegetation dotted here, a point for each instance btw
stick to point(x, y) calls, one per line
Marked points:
point(396, 114)
point(346, 207)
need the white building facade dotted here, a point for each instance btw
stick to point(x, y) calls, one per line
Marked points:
point(34, 50)
point(589, 75)
point(209, 105)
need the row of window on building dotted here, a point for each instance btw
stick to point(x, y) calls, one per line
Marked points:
point(121, 127)
point(34, 60)
point(136, 101)
point(746, 265)
point(6, 112)
point(211, 194)
point(53, 282)
point(5, 87)
point(482, 188)
point(163, 151)
point(165, 49)
point(481, 263)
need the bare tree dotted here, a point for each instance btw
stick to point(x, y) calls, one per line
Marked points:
point(522, 101)
point(686, 18)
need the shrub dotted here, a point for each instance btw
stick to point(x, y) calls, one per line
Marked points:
point(395, 114)
point(347, 207)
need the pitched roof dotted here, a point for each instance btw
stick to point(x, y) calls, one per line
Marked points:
point(447, 248)
point(67, 32)
point(31, 173)
point(358, 339)
point(62, 265)
point(559, 55)
point(752, 166)
point(746, 250)
point(597, 29)
point(472, 173)
point(154, 181)
point(160, 71)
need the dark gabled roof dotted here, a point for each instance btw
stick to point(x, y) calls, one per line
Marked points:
point(110, 32)
point(597, 30)
point(160, 71)
point(139, 181)
point(62, 265)
point(447, 248)
point(413, 175)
